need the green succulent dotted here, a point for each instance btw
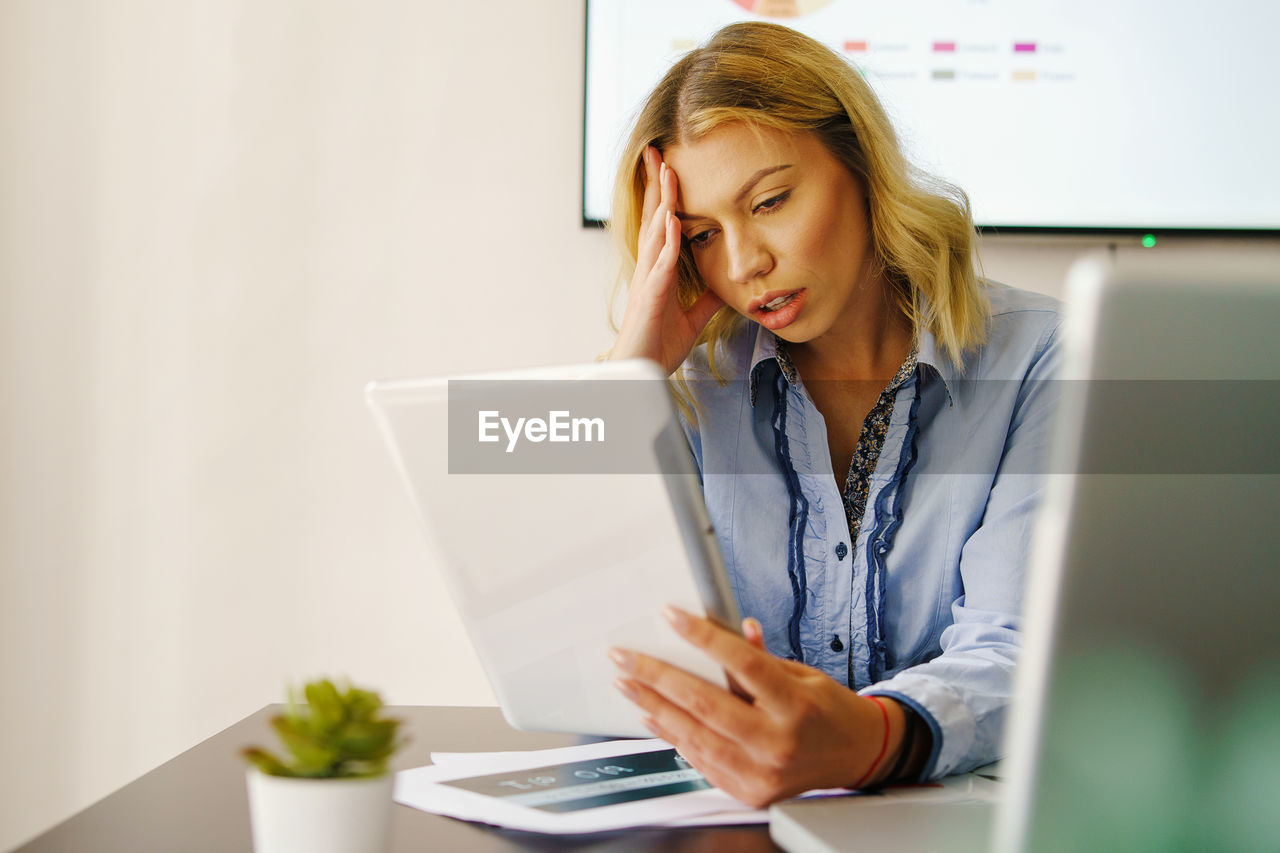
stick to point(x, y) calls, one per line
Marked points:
point(334, 734)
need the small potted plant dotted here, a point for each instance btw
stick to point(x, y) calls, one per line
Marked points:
point(332, 793)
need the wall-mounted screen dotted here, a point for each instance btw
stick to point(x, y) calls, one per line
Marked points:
point(1126, 115)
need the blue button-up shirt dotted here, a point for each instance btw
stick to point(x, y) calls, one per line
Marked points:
point(926, 605)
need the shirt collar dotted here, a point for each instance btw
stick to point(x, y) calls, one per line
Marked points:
point(768, 347)
point(929, 356)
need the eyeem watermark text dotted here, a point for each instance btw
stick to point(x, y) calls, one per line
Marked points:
point(557, 427)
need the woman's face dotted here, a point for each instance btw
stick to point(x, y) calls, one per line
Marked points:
point(777, 227)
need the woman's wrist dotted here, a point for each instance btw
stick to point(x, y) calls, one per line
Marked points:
point(871, 775)
point(901, 770)
point(907, 744)
point(915, 746)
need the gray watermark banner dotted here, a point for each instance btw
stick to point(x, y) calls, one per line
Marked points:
point(627, 426)
point(558, 426)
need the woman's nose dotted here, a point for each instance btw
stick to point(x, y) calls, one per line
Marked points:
point(748, 257)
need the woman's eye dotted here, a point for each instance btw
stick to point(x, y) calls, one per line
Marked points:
point(772, 203)
point(701, 239)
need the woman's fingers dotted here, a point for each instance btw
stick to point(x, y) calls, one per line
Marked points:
point(656, 280)
point(655, 325)
point(720, 761)
point(652, 162)
point(652, 221)
point(768, 679)
point(666, 261)
point(668, 185)
point(753, 634)
point(658, 689)
point(652, 236)
point(656, 229)
point(799, 729)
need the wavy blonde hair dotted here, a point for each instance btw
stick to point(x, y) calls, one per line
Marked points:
point(922, 230)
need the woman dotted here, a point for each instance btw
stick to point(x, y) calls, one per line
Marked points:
point(865, 413)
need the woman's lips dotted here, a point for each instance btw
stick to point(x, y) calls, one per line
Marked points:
point(789, 304)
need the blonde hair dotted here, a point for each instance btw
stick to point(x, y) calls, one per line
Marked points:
point(922, 231)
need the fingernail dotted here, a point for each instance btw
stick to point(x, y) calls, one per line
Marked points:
point(623, 659)
point(625, 689)
point(662, 172)
point(677, 617)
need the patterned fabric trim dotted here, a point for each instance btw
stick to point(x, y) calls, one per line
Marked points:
point(857, 482)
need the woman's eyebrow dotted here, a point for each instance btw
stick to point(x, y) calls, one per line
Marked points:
point(746, 188)
point(757, 178)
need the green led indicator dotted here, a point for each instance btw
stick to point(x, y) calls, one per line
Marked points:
point(1149, 241)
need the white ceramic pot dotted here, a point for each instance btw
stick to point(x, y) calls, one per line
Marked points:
point(320, 815)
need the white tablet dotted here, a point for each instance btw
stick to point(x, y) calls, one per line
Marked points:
point(565, 511)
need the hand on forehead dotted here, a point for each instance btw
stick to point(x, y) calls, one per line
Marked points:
point(720, 170)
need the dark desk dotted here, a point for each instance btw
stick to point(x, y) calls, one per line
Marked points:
point(197, 801)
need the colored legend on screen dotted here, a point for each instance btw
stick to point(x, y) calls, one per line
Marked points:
point(944, 47)
point(1024, 47)
point(943, 74)
point(855, 47)
point(1024, 75)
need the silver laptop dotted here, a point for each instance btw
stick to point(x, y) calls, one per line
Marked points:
point(1147, 714)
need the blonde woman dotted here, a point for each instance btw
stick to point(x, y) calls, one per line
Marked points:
point(867, 415)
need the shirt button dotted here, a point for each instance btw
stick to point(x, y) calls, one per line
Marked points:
point(836, 645)
point(882, 548)
point(841, 550)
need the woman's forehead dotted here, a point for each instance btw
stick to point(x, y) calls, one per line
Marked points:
point(740, 136)
point(714, 168)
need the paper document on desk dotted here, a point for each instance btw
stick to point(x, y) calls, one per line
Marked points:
point(594, 787)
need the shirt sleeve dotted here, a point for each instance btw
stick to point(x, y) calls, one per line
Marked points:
point(963, 694)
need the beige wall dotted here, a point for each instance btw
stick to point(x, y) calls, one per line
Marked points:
point(218, 220)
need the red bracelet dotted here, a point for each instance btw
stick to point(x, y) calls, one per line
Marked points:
point(884, 747)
